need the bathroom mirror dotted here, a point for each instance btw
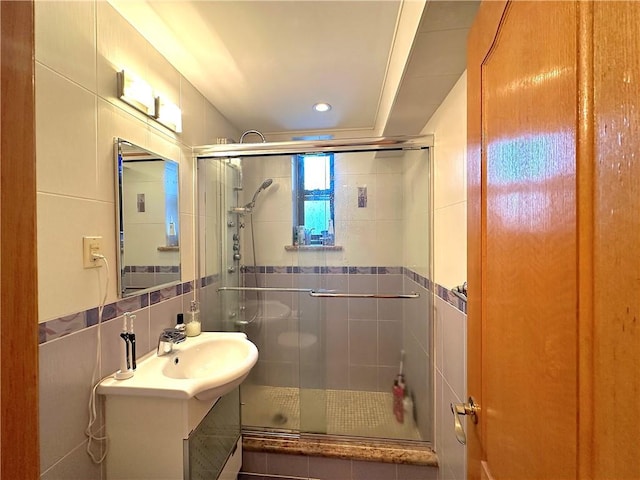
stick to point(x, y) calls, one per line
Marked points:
point(148, 220)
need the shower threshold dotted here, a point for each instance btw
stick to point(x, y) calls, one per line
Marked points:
point(347, 448)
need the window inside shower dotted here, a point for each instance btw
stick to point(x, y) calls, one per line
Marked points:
point(313, 199)
point(335, 327)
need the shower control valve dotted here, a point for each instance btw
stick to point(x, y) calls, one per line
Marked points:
point(231, 269)
point(231, 224)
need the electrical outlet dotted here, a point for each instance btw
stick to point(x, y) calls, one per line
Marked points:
point(91, 246)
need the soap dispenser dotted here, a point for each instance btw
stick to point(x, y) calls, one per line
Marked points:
point(194, 327)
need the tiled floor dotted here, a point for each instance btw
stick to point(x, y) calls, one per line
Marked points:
point(335, 412)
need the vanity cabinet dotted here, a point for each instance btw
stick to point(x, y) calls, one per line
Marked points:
point(169, 439)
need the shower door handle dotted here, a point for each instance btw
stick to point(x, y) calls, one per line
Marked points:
point(471, 409)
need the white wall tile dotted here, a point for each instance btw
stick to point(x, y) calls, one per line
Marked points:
point(389, 162)
point(66, 367)
point(439, 409)
point(163, 77)
point(118, 46)
point(360, 241)
point(454, 454)
point(65, 39)
point(389, 199)
point(62, 222)
point(217, 126)
point(187, 246)
point(448, 125)
point(76, 464)
point(454, 358)
point(438, 334)
point(388, 241)
point(271, 237)
point(450, 146)
point(187, 180)
point(193, 114)
point(273, 204)
point(362, 163)
point(114, 122)
point(163, 144)
point(450, 249)
point(65, 136)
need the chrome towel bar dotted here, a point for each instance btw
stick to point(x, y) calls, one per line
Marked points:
point(319, 293)
point(264, 289)
point(362, 295)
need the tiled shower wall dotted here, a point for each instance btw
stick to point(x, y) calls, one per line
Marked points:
point(450, 264)
point(79, 48)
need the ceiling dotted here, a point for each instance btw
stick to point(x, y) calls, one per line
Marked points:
point(384, 66)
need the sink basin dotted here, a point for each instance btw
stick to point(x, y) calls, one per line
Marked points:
point(204, 367)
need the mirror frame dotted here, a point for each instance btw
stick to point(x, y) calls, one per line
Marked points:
point(120, 234)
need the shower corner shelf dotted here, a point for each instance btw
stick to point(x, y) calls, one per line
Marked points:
point(312, 248)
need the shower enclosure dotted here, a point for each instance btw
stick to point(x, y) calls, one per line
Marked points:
point(334, 305)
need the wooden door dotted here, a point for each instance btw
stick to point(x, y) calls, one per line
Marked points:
point(554, 240)
point(19, 458)
point(523, 323)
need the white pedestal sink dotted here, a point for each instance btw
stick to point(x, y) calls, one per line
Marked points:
point(205, 367)
point(151, 416)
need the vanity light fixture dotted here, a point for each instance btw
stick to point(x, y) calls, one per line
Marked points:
point(136, 92)
point(168, 114)
point(322, 107)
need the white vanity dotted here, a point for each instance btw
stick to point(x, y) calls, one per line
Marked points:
point(178, 417)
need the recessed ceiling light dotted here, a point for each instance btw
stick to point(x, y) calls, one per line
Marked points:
point(322, 107)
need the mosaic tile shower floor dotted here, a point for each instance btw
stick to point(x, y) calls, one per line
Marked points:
point(347, 412)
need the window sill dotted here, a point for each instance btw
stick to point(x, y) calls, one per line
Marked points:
point(312, 248)
point(169, 249)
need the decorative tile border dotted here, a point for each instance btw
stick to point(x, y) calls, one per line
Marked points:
point(209, 280)
point(442, 292)
point(62, 326)
point(451, 298)
point(59, 327)
point(324, 270)
point(152, 269)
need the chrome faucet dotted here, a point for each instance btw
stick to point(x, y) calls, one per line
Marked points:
point(168, 338)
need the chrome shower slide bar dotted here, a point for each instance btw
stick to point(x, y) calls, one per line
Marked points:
point(319, 293)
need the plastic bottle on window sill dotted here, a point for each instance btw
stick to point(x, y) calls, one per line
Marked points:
point(331, 233)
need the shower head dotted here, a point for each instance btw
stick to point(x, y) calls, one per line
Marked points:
point(266, 184)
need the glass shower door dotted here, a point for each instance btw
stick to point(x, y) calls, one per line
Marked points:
point(332, 321)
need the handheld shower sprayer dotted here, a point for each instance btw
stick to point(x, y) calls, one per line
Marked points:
point(266, 184)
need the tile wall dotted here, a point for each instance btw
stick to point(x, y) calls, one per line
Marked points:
point(275, 466)
point(365, 234)
point(79, 48)
point(450, 263)
point(360, 339)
